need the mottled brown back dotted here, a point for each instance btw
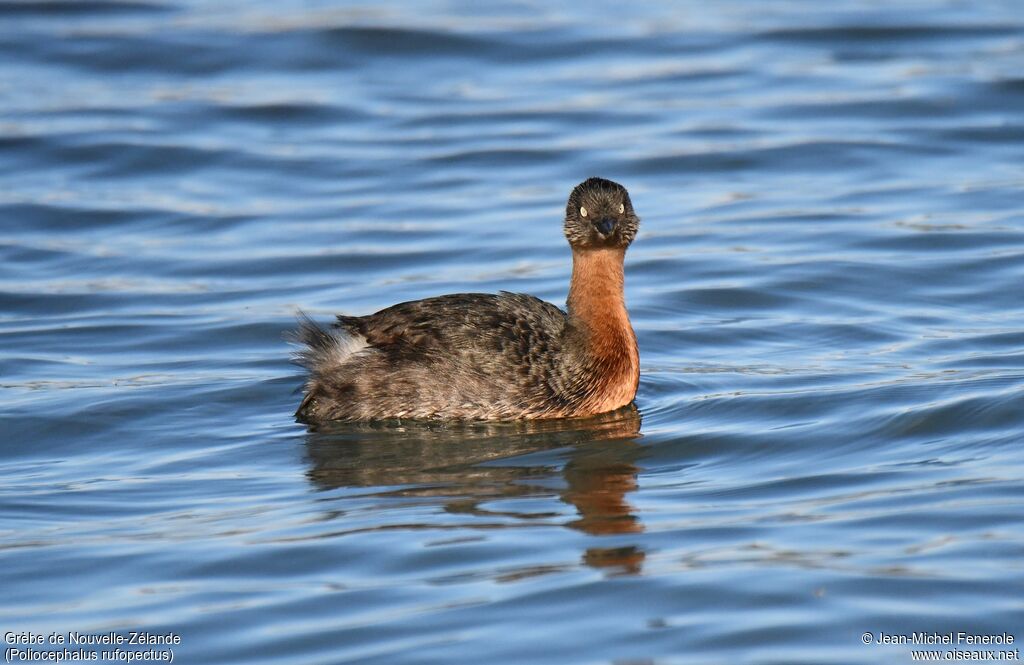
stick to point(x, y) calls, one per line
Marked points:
point(471, 355)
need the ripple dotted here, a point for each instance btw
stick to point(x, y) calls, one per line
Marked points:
point(809, 155)
point(288, 113)
point(888, 33)
point(57, 8)
point(383, 41)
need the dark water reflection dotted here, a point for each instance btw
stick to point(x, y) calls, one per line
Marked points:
point(462, 466)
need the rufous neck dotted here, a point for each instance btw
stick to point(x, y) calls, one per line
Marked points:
point(596, 288)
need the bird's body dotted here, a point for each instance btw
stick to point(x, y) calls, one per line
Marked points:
point(489, 357)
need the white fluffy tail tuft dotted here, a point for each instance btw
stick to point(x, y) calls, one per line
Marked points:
point(324, 349)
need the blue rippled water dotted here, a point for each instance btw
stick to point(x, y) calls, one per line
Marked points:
point(827, 290)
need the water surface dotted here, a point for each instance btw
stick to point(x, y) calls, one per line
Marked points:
point(826, 290)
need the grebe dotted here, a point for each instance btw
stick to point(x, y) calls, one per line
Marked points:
point(480, 356)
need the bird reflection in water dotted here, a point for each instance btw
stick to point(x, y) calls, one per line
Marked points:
point(466, 465)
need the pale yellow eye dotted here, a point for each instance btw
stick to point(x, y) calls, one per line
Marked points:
point(622, 208)
point(583, 212)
